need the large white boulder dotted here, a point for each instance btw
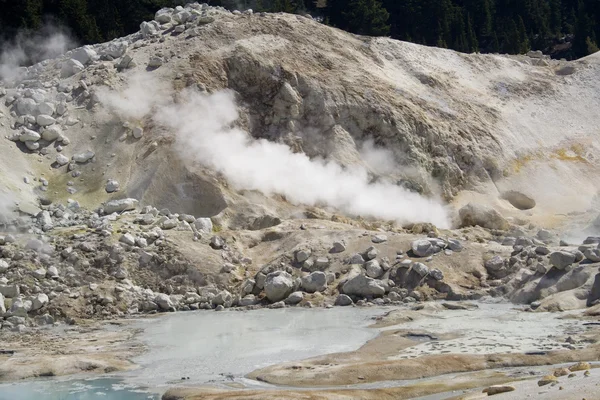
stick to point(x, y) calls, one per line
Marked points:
point(203, 225)
point(278, 286)
point(115, 49)
point(363, 286)
point(39, 301)
point(315, 282)
point(51, 133)
point(25, 106)
point(84, 55)
point(163, 16)
point(44, 120)
point(70, 68)
point(120, 205)
point(163, 301)
point(27, 135)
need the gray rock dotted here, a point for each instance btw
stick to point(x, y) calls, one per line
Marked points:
point(260, 279)
point(278, 286)
point(163, 301)
point(120, 205)
point(494, 264)
point(523, 241)
point(39, 273)
point(315, 282)
point(62, 160)
point(362, 285)
point(70, 68)
point(562, 259)
point(128, 239)
point(169, 223)
point(44, 120)
point(420, 268)
point(338, 247)
point(343, 300)
point(248, 300)
point(373, 269)
point(10, 291)
point(295, 298)
point(543, 250)
point(393, 296)
point(217, 242)
point(223, 298)
point(303, 255)
point(39, 301)
point(2, 307)
point(112, 186)
point(52, 272)
point(454, 245)
point(380, 238)
point(423, 248)
point(477, 214)
point(371, 253)
point(356, 259)
point(322, 262)
point(593, 255)
point(436, 274)
point(203, 225)
point(20, 307)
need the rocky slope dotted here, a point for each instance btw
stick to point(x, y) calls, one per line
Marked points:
point(115, 217)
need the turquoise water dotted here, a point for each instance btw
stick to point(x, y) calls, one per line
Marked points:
point(93, 389)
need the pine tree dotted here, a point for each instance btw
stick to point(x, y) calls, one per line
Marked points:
point(367, 17)
point(471, 36)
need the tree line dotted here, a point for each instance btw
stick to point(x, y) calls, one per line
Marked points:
point(562, 28)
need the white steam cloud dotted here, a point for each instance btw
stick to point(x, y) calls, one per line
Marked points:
point(27, 49)
point(7, 207)
point(204, 127)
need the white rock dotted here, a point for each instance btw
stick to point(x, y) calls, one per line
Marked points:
point(373, 268)
point(138, 132)
point(39, 301)
point(70, 68)
point(112, 186)
point(46, 108)
point(203, 225)
point(51, 133)
point(149, 29)
point(120, 205)
point(27, 135)
point(26, 106)
point(32, 146)
point(84, 157)
point(278, 286)
point(2, 306)
point(84, 55)
point(295, 298)
point(361, 285)
point(163, 16)
point(44, 120)
point(62, 160)
point(20, 307)
point(52, 272)
point(127, 239)
point(315, 282)
point(155, 62)
point(163, 301)
point(379, 238)
point(115, 49)
point(10, 291)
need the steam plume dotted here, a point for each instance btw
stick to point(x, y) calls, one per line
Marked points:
point(203, 125)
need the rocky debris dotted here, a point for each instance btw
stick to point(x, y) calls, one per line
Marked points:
point(480, 215)
point(315, 282)
point(562, 259)
point(278, 285)
point(363, 286)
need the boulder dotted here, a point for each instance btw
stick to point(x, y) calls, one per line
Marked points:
point(338, 247)
point(315, 282)
point(302, 255)
point(39, 301)
point(436, 274)
point(20, 307)
point(84, 157)
point(84, 55)
point(223, 298)
point(371, 253)
point(61, 160)
point(278, 286)
point(421, 269)
point(163, 301)
point(592, 254)
point(10, 291)
point(203, 225)
point(424, 248)
point(120, 205)
point(112, 186)
point(343, 300)
point(295, 298)
point(562, 259)
point(477, 214)
point(2, 306)
point(52, 272)
point(27, 135)
point(155, 62)
point(356, 259)
point(52, 133)
point(247, 300)
point(114, 49)
point(149, 29)
point(127, 239)
point(25, 106)
point(217, 242)
point(373, 268)
point(70, 68)
point(363, 286)
point(379, 238)
point(454, 245)
point(44, 120)
point(163, 16)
